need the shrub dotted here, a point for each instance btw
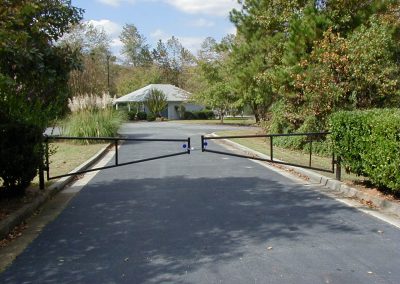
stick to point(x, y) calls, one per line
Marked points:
point(141, 115)
point(20, 155)
point(131, 115)
point(203, 114)
point(189, 115)
point(156, 102)
point(151, 117)
point(93, 123)
point(209, 114)
point(321, 145)
point(180, 109)
point(200, 115)
point(368, 143)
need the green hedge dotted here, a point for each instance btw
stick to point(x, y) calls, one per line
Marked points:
point(369, 144)
point(202, 114)
point(20, 155)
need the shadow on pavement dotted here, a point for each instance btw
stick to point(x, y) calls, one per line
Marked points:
point(154, 230)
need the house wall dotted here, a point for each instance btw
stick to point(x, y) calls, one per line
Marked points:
point(173, 114)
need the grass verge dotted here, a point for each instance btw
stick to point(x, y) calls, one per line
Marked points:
point(66, 158)
point(227, 121)
point(262, 145)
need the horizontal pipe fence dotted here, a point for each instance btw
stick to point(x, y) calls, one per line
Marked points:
point(311, 137)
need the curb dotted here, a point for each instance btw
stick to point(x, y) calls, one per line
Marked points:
point(329, 183)
point(28, 210)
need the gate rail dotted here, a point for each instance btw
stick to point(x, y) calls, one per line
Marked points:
point(309, 135)
point(113, 140)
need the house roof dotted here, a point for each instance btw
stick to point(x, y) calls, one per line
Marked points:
point(173, 94)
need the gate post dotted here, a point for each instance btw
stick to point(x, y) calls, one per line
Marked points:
point(41, 165)
point(41, 176)
point(338, 169)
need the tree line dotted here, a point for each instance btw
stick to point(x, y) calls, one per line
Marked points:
point(292, 63)
point(100, 71)
point(296, 62)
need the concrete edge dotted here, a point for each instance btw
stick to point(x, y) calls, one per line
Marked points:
point(17, 217)
point(329, 183)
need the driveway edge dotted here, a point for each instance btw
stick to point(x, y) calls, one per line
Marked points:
point(17, 217)
point(329, 183)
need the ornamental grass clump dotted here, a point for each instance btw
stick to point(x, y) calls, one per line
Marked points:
point(92, 116)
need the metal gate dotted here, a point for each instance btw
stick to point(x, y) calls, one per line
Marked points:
point(115, 142)
point(311, 137)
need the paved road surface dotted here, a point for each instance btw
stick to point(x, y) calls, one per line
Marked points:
point(205, 218)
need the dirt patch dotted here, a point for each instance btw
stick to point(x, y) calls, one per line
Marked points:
point(10, 204)
point(366, 187)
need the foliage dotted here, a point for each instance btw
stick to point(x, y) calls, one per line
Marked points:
point(131, 79)
point(174, 61)
point(201, 114)
point(189, 115)
point(141, 115)
point(92, 116)
point(131, 115)
point(169, 63)
point(33, 80)
point(368, 143)
point(302, 60)
point(93, 123)
point(151, 117)
point(156, 102)
point(204, 114)
point(97, 71)
point(180, 109)
point(217, 92)
point(89, 102)
point(134, 48)
point(20, 152)
point(33, 70)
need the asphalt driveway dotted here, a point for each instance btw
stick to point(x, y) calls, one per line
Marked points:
point(203, 218)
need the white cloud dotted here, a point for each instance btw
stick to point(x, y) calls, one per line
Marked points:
point(160, 34)
point(111, 28)
point(193, 44)
point(116, 42)
point(209, 7)
point(202, 23)
point(232, 31)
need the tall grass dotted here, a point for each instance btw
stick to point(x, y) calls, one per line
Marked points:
point(92, 116)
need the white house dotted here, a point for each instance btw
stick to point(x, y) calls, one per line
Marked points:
point(175, 97)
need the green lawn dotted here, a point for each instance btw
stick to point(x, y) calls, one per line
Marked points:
point(227, 121)
point(262, 145)
point(68, 156)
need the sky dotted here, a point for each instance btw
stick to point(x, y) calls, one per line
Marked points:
point(191, 21)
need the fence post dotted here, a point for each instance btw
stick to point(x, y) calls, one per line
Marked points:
point(116, 151)
point(338, 169)
point(41, 167)
point(271, 148)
